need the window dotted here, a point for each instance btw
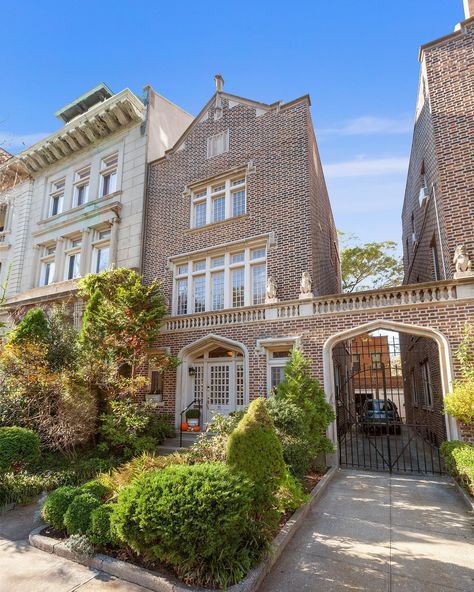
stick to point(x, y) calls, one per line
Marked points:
point(101, 250)
point(218, 144)
point(56, 197)
point(355, 362)
point(414, 390)
point(47, 265)
point(376, 361)
point(228, 280)
point(434, 256)
point(156, 382)
point(108, 174)
point(3, 217)
point(73, 259)
point(276, 361)
point(413, 231)
point(218, 202)
point(81, 186)
point(427, 385)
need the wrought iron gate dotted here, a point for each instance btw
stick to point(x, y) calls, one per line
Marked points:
point(376, 424)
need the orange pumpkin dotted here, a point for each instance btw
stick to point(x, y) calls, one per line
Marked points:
point(196, 429)
point(184, 427)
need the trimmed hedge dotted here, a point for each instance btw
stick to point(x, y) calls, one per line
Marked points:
point(77, 518)
point(459, 460)
point(197, 518)
point(57, 504)
point(99, 531)
point(18, 446)
point(97, 489)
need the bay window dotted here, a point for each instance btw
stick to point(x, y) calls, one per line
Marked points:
point(217, 202)
point(234, 278)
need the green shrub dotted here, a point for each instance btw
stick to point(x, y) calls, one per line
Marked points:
point(57, 504)
point(254, 450)
point(211, 445)
point(197, 518)
point(464, 459)
point(33, 327)
point(18, 446)
point(97, 489)
point(99, 531)
point(460, 403)
point(446, 450)
point(19, 488)
point(193, 414)
point(77, 518)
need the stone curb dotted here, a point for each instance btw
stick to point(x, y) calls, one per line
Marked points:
point(468, 500)
point(156, 583)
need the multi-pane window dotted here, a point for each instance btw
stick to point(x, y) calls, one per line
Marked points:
point(47, 265)
point(376, 361)
point(232, 279)
point(427, 384)
point(101, 251)
point(73, 259)
point(56, 197)
point(355, 362)
point(81, 186)
point(219, 201)
point(108, 174)
point(277, 361)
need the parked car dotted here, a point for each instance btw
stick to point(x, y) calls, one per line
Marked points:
point(380, 415)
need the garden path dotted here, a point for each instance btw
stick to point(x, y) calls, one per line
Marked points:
point(26, 569)
point(380, 532)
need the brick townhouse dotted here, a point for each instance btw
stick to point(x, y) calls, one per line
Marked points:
point(437, 217)
point(237, 216)
point(73, 203)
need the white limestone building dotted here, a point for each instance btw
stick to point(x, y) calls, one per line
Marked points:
point(73, 203)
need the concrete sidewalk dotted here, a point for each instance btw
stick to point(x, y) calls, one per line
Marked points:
point(26, 569)
point(376, 532)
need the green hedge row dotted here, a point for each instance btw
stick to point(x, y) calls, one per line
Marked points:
point(459, 460)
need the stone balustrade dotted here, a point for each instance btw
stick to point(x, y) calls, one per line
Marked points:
point(399, 297)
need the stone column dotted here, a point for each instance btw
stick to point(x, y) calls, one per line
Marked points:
point(114, 231)
point(84, 267)
point(59, 260)
point(36, 266)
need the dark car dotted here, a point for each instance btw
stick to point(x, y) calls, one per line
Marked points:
point(380, 415)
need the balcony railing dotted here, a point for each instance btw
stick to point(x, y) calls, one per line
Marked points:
point(399, 297)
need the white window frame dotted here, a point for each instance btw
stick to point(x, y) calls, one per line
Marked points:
point(108, 166)
point(100, 243)
point(211, 191)
point(427, 384)
point(218, 144)
point(82, 178)
point(227, 266)
point(48, 258)
point(58, 190)
point(74, 250)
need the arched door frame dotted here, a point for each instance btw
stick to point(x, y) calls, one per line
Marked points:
point(445, 361)
point(190, 351)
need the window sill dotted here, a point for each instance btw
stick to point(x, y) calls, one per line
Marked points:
point(80, 208)
point(215, 224)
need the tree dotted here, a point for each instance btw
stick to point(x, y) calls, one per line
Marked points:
point(122, 322)
point(370, 265)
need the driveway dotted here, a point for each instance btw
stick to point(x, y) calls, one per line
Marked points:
point(379, 532)
point(26, 569)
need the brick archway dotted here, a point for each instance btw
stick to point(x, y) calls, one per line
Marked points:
point(444, 352)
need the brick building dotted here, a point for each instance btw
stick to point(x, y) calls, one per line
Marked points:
point(250, 214)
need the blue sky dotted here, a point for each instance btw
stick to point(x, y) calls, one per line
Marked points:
point(358, 59)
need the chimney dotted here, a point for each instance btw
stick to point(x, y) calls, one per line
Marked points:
point(469, 8)
point(220, 81)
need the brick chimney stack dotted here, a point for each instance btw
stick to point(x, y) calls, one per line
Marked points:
point(469, 8)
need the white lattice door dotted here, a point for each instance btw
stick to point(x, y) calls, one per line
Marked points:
point(220, 388)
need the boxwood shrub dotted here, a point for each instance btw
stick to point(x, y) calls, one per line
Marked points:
point(57, 504)
point(77, 518)
point(97, 489)
point(99, 531)
point(18, 446)
point(197, 518)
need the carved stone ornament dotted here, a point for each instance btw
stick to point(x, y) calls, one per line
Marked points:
point(271, 293)
point(462, 263)
point(306, 285)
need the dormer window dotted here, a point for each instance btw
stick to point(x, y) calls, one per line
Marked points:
point(219, 201)
point(108, 174)
point(218, 144)
point(81, 186)
point(56, 197)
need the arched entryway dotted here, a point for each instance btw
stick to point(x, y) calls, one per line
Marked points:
point(386, 382)
point(214, 374)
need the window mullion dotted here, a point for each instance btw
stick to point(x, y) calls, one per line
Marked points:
point(247, 279)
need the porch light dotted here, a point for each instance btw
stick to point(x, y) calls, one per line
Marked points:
point(192, 371)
